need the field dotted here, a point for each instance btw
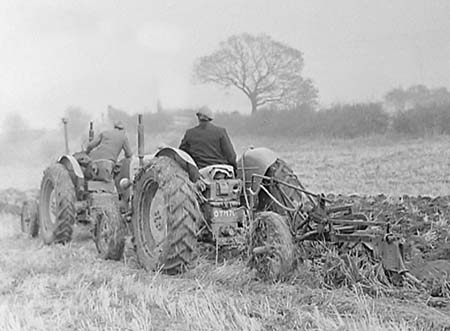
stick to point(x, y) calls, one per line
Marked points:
point(70, 288)
point(373, 165)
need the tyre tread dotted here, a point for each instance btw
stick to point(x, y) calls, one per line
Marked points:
point(183, 213)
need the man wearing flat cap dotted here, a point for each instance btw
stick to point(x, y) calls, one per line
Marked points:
point(208, 144)
point(105, 149)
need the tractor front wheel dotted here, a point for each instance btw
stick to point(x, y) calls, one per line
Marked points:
point(272, 251)
point(109, 227)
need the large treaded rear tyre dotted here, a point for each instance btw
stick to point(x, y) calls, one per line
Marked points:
point(56, 205)
point(165, 216)
point(29, 218)
point(272, 251)
point(286, 195)
point(109, 230)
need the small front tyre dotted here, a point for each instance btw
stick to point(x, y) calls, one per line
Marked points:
point(272, 251)
point(109, 228)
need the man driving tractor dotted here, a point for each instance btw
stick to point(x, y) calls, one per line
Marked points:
point(105, 149)
point(208, 144)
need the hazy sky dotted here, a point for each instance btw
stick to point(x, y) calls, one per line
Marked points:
point(55, 54)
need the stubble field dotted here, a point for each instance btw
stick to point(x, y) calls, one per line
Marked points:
point(70, 288)
point(373, 165)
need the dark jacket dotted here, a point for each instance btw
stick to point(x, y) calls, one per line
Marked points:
point(208, 144)
point(108, 145)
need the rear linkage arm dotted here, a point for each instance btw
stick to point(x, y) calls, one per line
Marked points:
point(331, 225)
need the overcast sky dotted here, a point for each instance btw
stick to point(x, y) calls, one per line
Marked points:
point(55, 54)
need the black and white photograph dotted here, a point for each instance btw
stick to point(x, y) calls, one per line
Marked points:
point(224, 165)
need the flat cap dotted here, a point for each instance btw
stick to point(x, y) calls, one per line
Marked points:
point(119, 125)
point(205, 114)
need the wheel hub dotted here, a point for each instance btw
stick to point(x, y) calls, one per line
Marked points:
point(105, 229)
point(53, 206)
point(158, 220)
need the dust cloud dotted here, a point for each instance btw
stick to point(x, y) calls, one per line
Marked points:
point(26, 151)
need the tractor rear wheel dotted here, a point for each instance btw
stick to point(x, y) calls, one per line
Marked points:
point(166, 212)
point(29, 218)
point(284, 194)
point(109, 227)
point(272, 251)
point(56, 205)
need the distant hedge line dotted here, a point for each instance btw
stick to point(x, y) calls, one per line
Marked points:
point(422, 121)
point(341, 121)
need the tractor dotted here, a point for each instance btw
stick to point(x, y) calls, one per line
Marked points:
point(73, 192)
point(262, 206)
point(171, 214)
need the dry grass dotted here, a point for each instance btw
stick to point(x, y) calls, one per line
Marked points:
point(70, 288)
point(393, 166)
point(9, 226)
point(366, 165)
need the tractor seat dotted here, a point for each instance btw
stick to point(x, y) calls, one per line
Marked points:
point(217, 171)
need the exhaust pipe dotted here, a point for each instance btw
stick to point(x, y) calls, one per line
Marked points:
point(91, 131)
point(66, 138)
point(140, 140)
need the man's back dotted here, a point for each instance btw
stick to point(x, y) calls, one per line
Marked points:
point(109, 144)
point(208, 144)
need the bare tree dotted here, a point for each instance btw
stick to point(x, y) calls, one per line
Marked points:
point(265, 70)
point(301, 93)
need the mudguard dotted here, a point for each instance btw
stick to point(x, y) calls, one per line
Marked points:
point(183, 159)
point(255, 161)
point(175, 153)
point(71, 164)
